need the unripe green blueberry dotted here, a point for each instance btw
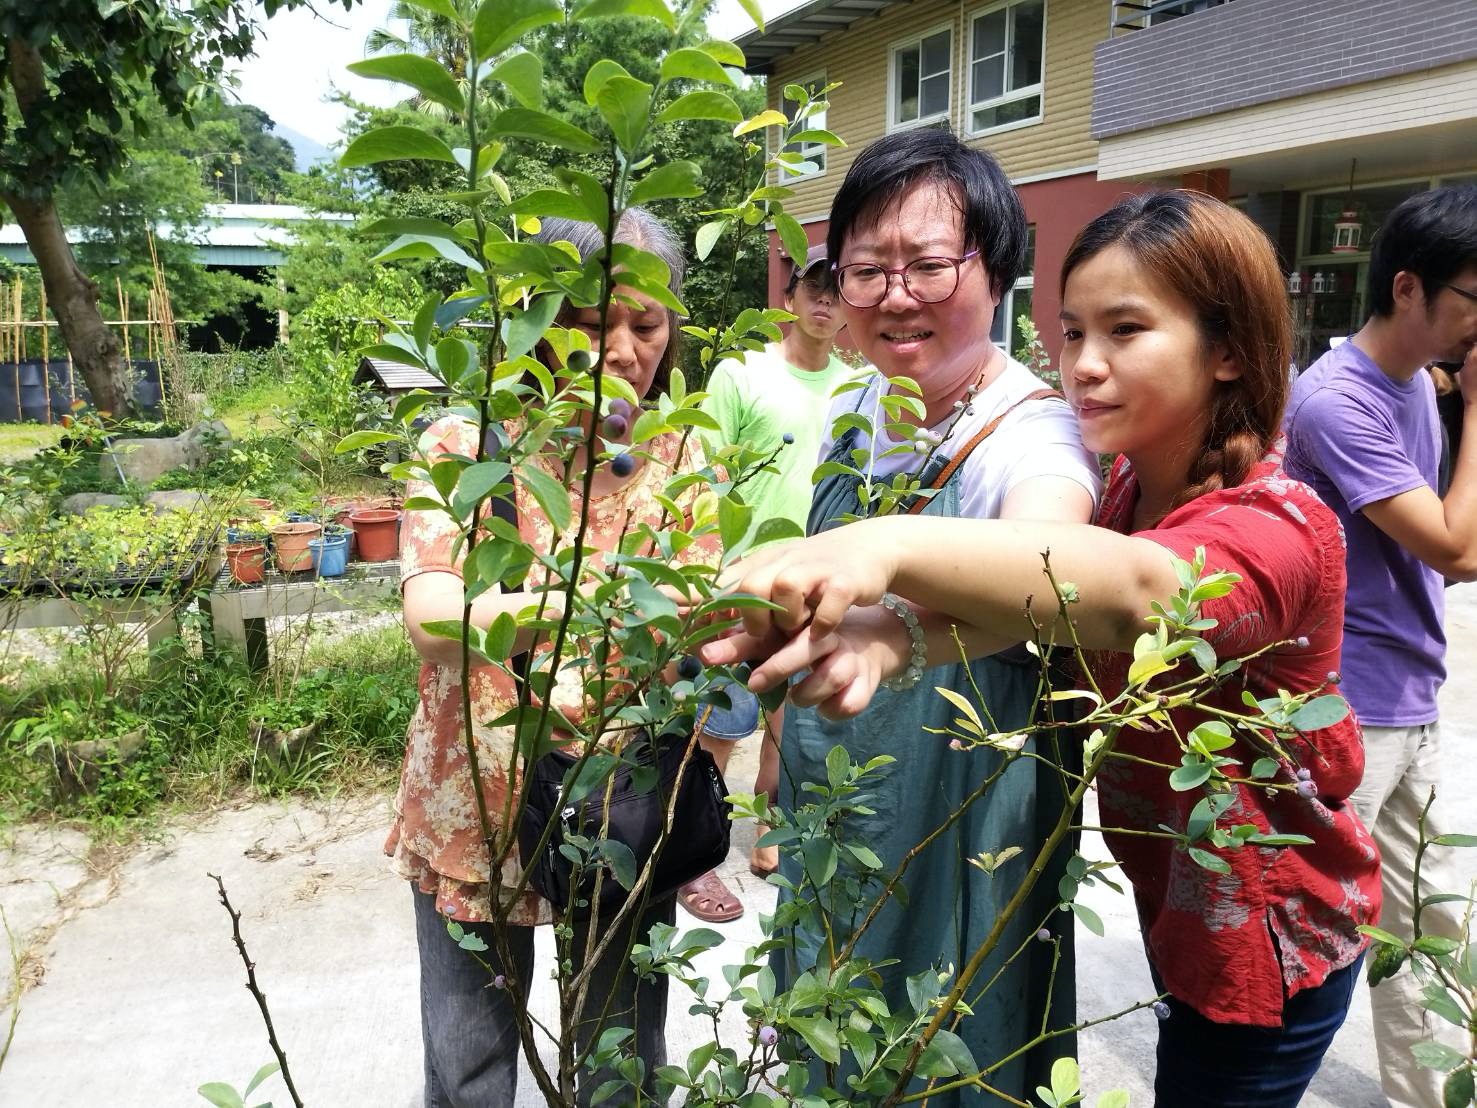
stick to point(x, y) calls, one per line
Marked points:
point(579, 361)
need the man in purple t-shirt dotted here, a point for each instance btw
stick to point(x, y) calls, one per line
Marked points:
point(1362, 430)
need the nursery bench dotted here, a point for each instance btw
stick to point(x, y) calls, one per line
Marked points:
point(237, 614)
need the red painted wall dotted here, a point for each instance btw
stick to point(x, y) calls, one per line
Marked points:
point(1059, 209)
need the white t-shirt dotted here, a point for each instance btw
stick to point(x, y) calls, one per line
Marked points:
point(1038, 439)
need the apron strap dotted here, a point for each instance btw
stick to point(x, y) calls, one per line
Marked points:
point(939, 481)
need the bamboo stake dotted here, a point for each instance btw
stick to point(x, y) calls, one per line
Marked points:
point(15, 307)
point(45, 354)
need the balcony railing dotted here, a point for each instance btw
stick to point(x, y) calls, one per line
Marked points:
point(1135, 15)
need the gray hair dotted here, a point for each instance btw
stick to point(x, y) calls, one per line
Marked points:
point(638, 228)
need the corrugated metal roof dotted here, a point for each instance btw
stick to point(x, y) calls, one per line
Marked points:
point(394, 377)
point(801, 27)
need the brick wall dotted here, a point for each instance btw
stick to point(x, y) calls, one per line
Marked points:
point(1256, 51)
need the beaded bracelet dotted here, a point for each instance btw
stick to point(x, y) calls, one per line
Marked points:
point(914, 671)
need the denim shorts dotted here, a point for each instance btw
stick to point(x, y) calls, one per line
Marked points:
point(739, 720)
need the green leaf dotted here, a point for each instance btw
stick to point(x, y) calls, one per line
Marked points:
point(1190, 776)
point(1265, 768)
point(820, 1034)
point(622, 861)
point(945, 1056)
point(427, 77)
point(358, 440)
point(1090, 919)
point(751, 7)
point(702, 104)
point(500, 23)
point(221, 1095)
point(543, 127)
point(1437, 1056)
point(1213, 862)
point(1455, 840)
point(723, 52)
point(707, 237)
point(625, 105)
point(596, 76)
point(675, 179)
point(476, 482)
point(1386, 963)
point(1147, 665)
point(426, 246)
point(819, 855)
point(439, 7)
point(1113, 1098)
point(1460, 1089)
point(605, 9)
point(1066, 1079)
point(261, 1075)
point(733, 521)
point(503, 632)
point(696, 64)
point(1321, 711)
point(527, 327)
point(388, 144)
point(522, 74)
point(776, 529)
point(552, 497)
point(1435, 945)
point(793, 236)
point(767, 118)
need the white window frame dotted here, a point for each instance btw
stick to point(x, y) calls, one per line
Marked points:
point(813, 81)
point(945, 116)
point(1006, 313)
point(1038, 89)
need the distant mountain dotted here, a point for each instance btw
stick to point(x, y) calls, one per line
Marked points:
point(307, 151)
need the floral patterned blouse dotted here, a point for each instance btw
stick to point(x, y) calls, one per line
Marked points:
point(1234, 946)
point(436, 839)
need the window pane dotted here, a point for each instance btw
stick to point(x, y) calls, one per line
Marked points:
point(936, 95)
point(1027, 107)
point(1002, 316)
point(1030, 268)
point(987, 79)
point(907, 84)
point(989, 34)
point(936, 53)
point(1029, 27)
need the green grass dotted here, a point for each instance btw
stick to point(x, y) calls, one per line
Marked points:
point(19, 441)
point(255, 407)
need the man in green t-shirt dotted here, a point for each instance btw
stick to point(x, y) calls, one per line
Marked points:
point(780, 397)
point(774, 400)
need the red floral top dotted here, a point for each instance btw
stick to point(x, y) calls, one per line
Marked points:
point(1236, 946)
point(436, 839)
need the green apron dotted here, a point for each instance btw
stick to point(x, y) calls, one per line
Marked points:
point(950, 906)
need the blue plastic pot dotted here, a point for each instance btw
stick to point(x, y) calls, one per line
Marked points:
point(330, 555)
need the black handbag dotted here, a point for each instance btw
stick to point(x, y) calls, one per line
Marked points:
point(697, 842)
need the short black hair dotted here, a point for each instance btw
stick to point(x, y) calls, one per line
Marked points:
point(1432, 235)
point(994, 220)
point(823, 273)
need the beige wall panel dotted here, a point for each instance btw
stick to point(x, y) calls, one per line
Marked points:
point(859, 56)
point(1442, 96)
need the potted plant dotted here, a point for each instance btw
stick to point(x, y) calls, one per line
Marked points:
point(331, 551)
point(377, 532)
point(290, 541)
point(284, 726)
point(247, 559)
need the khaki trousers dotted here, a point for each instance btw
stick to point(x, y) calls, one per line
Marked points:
point(1400, 770)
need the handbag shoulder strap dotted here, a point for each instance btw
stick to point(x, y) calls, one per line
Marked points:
point(980, 436)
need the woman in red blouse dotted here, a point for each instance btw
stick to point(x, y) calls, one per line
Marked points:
point(1177, 337)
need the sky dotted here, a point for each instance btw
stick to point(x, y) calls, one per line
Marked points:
point(301, 58)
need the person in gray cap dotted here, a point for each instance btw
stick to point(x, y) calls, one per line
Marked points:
point(772, 400)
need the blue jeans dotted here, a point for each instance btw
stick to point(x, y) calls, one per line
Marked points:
point(467, 1029)
point(1225, 1065)
point(739, 720)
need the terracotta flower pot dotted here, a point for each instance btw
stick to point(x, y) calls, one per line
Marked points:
point(376, 531)
point(261, 503)
point(247, 561)
point(290, 541)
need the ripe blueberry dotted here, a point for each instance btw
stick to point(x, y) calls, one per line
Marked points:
point(623, 465)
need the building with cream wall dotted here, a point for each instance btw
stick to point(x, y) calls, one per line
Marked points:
point(1266, 103)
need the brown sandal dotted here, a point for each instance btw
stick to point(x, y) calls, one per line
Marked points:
point(709, 899)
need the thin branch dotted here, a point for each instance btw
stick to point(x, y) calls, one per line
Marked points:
point(256, 992)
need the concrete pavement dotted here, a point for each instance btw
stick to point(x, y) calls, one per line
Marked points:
point(136, 995)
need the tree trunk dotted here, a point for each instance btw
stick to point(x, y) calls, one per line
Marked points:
point(72, 294)
point(73, 299)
